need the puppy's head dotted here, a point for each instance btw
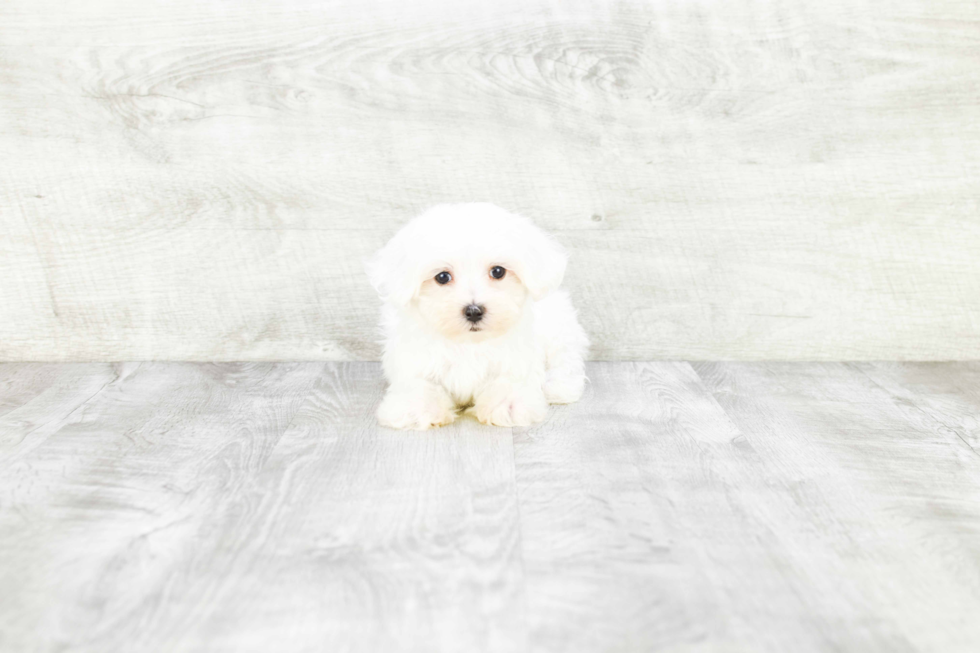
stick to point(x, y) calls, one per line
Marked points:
point(468, 270)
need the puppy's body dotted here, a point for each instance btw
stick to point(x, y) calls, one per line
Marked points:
point(524, 349)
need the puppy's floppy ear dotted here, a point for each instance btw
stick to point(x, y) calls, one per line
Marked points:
point(542, 263)
point(392, 273)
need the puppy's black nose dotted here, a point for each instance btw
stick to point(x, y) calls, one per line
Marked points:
point(473, 313)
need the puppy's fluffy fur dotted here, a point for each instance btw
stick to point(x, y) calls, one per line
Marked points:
point(524, 352)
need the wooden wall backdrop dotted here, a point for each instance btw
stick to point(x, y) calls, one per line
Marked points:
point(736, 179)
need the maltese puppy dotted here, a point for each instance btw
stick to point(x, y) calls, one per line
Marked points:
point(473, 319)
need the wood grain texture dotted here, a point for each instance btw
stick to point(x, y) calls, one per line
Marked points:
point(763, 508)
point(114, 482)
point(777, 180)
point(721, 507)
point(946, 397)
point(247, 508)
point(877, 524)
point(615, 493)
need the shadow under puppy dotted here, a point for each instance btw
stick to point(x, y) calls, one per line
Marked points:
point(473, 318)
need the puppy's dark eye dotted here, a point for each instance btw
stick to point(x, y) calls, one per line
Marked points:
point(443, 278)
point(497, 272)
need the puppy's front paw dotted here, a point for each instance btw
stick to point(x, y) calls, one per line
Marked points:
point(416, 411)
point(563, 388)
point(505, 406)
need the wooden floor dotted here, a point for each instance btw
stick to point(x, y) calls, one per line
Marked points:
point(677, 507)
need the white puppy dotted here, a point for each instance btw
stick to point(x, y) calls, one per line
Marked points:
point(473, 318)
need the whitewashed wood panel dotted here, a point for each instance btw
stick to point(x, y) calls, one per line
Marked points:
point(750, 507)
point(842, 453)
point(200, 180)
point(244, 507)
point(259, 507)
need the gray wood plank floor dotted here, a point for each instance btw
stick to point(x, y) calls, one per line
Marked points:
point(677, 507)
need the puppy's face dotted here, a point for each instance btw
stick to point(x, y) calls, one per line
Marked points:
point(472, 300)
point(468, 270)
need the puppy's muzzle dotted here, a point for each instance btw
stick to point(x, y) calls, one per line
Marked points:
point(474, 313)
